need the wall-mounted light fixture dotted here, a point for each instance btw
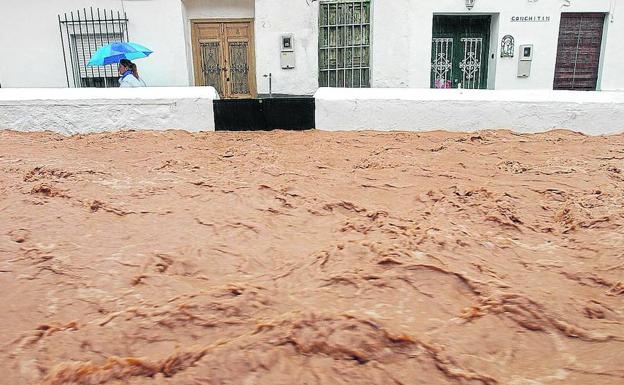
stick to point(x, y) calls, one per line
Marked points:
point(470, 4)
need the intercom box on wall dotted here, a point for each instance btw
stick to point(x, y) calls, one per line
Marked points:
point(287, 51)
point(525, 60)
point(288, 43)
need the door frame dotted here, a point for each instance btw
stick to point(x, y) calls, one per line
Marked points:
point(252, 51)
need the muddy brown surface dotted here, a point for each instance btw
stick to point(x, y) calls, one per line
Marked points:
point(311, 258)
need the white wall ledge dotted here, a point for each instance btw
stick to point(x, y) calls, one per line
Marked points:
point(149, 93)
point(86, 110)
point(426, 94)
point(592, 113)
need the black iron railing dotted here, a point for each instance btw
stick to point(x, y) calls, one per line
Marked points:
point(82, 33)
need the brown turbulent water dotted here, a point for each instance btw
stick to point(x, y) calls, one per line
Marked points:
point(311, 258)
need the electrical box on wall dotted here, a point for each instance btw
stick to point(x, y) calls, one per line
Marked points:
point(287, 51)
point(288, 43)
point(525, 60)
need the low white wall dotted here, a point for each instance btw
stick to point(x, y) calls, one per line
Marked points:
point(592, 113)
point(87, 110)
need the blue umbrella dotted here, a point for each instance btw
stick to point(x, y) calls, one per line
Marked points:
point(114, 52)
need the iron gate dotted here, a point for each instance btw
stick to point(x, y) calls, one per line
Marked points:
point(442, 65)
point(459, 51)
point(82, 33)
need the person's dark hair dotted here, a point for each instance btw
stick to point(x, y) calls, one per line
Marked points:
point(128, 64)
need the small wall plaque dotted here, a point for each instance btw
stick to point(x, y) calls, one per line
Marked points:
point(507, 46)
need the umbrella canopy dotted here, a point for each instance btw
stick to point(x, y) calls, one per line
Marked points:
point(114, 52)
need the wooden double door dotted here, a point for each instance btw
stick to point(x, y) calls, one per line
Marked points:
point(223, 56)
point(460, 51)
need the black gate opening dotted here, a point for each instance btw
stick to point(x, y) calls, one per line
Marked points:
point(82, 33)
point(294, 114)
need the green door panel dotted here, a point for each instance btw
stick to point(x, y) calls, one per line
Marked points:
point(460, 51)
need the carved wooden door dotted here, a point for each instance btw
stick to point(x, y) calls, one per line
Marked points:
point(224, 57)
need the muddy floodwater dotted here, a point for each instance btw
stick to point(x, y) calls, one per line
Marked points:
point(145, 258)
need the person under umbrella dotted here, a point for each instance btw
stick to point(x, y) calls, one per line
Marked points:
point(122, 54)
point(129, 75)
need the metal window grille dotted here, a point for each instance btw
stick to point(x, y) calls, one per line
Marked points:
point(210, 64)
point(82, 33)
point(344, 43)
point(239, 68)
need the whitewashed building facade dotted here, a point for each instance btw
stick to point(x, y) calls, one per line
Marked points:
point(235, 44)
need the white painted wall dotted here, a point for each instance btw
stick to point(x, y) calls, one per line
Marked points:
point(592, 113)
point(188, 47)
point(71, 111)
point(495, 38)
point(613, 57)
point(219, 9)
point(159, 25)
point(273, 19)
point(30, 44)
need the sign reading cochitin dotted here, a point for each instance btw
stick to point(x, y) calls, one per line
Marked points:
point(530, 19)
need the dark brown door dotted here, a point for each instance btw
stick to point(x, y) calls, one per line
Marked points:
point(578, 53)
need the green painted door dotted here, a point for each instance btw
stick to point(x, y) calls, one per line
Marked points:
point(460, 51)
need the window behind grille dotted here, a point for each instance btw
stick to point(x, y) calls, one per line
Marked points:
point(344, 43)
point(82, 33)
point(83, 49)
